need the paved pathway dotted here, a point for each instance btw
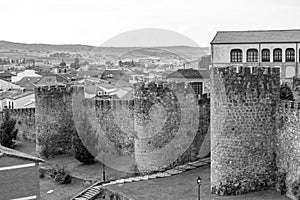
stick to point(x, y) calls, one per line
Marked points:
point(183, 186)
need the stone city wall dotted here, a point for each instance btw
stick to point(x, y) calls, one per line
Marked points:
point(288, 148)
point(243, 105)
point(54, 124)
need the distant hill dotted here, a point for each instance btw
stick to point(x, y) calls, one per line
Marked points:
point(11, 49)
point(44, 47)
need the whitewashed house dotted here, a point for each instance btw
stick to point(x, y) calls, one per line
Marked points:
point(26, 73)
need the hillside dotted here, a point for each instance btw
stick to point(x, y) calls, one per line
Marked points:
point(22, 50)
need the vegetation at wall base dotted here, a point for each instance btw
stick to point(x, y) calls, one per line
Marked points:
point(286, 92)
point(60, 175)
point(8, 131)
point(296, 189)
point(81, 153)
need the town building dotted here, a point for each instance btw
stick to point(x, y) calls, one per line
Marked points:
point(273, 48)
point(15, 99)
point(199, 79)
point(52, 79)
point(136, 76)
point(25, 73)
point(27, 83)
point(112, 74)
point(6, 85)
point(6, 76)
point(204, 62)
point(62, 68)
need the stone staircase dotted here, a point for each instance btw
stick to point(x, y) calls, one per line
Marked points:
point(98, 189)
point(89, 193)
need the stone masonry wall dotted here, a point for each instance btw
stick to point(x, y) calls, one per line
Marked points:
point(243, 105)
point(140, 130)
point(54, 120)
point(106, 129)
point(288, 148)
point(169, 124)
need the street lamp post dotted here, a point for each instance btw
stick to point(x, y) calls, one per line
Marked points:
point(103, 168)
point(199, 185)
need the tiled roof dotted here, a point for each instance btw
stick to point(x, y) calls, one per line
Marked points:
point(29, 105)
point(4, 151)
point(204, 62)
point(91, 89)
point(52, 79)
point(6, 74)
point(190, 73)
point(23, 94)
point(106, 86)
point(14, 94)
point(270, 36)
point(28, 82)
point(90, 73)
point(113, 72)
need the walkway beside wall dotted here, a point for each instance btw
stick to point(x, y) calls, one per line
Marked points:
point(183, 186)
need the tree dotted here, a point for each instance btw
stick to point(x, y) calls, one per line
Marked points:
point(120, 63)
point(286, 92)
point(76, 64)
point(8, 131)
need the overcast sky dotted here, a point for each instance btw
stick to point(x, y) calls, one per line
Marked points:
point(93, 22)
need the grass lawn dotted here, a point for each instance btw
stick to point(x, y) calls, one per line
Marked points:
point(76, 169)
point(60, 192)
point(184, 186)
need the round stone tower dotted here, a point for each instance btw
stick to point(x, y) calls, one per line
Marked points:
point(243, 104)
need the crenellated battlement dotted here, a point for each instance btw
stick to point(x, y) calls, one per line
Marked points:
point(114, 103)
point(146, 90)
point(283, 106)
point(21, 111)
point(53, 89)
point(243, 108)
point(241, 70)
point(241, 83)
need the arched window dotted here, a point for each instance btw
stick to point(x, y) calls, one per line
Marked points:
point(236, 55)
point(265, 55)
point(252, 55)
point(290, 55)
point(277, 55)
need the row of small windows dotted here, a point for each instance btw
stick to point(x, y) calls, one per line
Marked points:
point(236, 55)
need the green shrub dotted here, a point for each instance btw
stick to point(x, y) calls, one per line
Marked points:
point(286, 92)
point(60, 175)
point(8, 131)
point(281, 181)
point(296, 189)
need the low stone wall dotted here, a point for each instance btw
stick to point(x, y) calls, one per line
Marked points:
point(112, 195)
